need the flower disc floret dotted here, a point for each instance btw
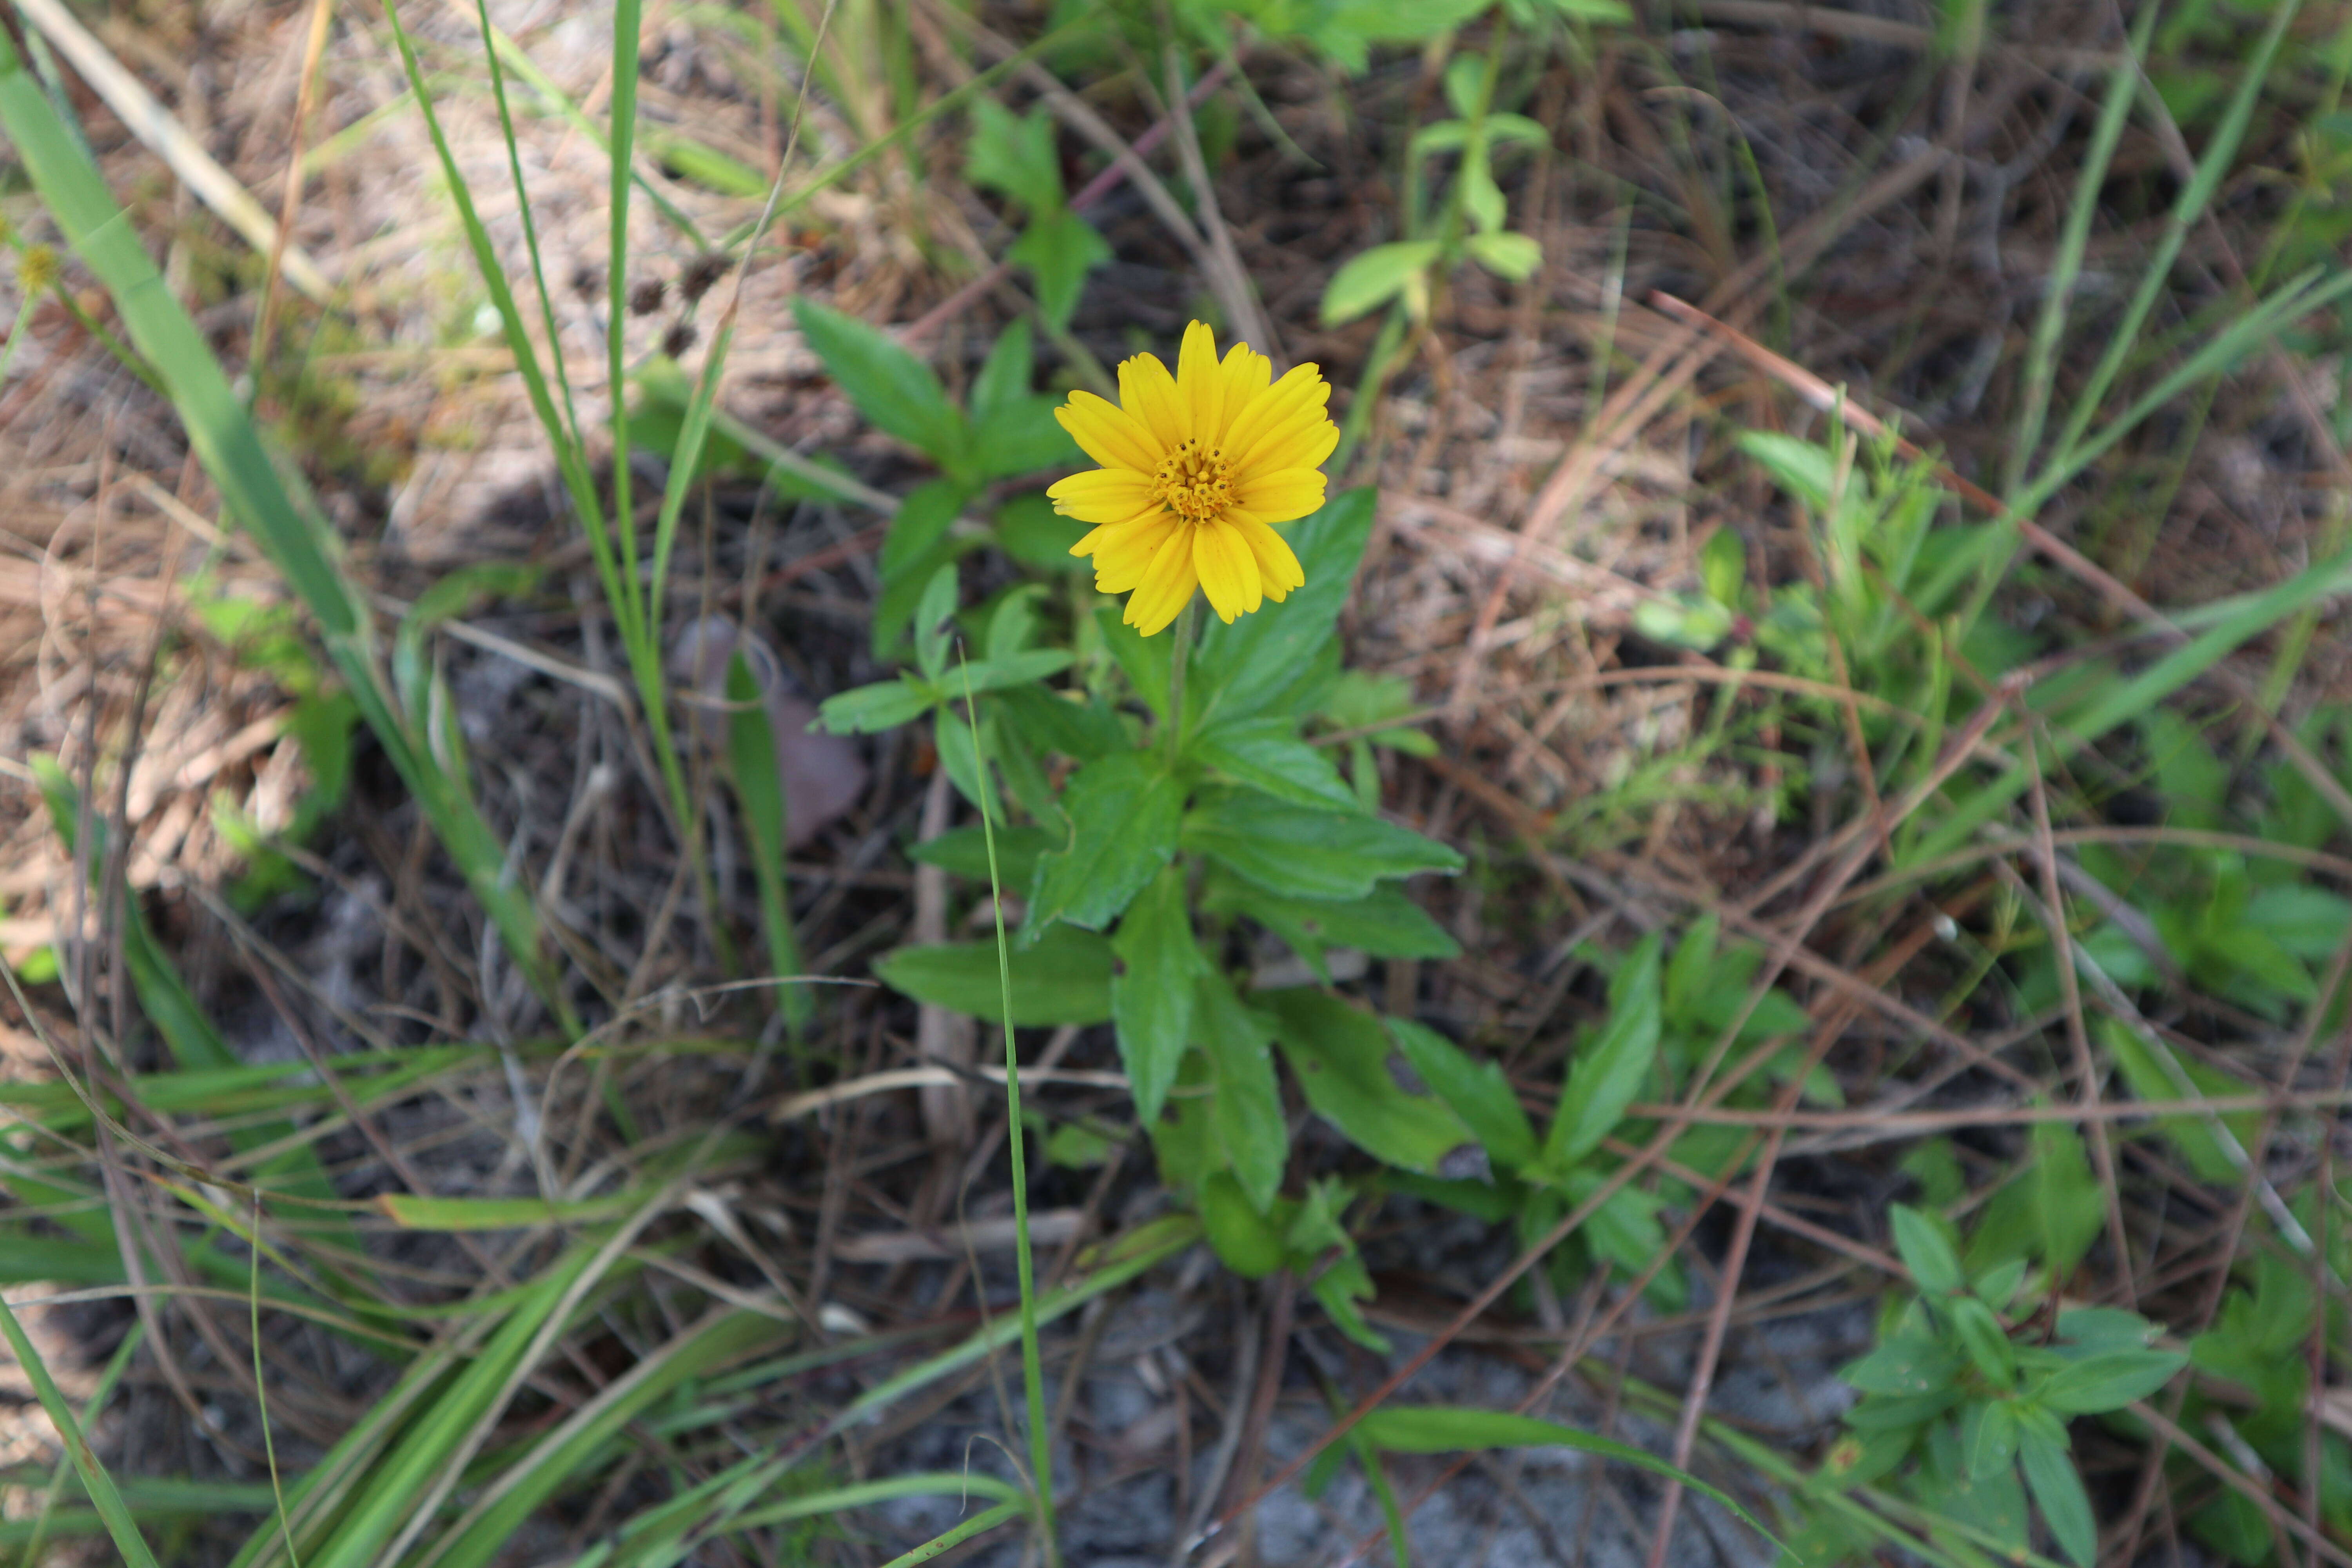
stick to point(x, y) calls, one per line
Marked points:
point(1197, 466)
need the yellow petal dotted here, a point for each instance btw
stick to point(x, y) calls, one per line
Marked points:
point(1167, 584)
point(1280, 495)
point(1247, 372)
point(1287, 444)
point(1299, 390)
point(1227, 568)
point(1124, 551)
point(1107, 433)
point(1147, 391)
point(1102, 495)
point(1199, 384)
point(1278, 570)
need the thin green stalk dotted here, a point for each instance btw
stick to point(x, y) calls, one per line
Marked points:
point(100, 1485)
point(1188, 628)
point(2041, 356)
point(2195, 197)
point(1033, 1372)
point(116, 1366)
point(959, 1535)
point(627, 21)
point(260, 1387)
point(1387, 349)
point(530, 228)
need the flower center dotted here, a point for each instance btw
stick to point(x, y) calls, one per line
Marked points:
point(1194, 482)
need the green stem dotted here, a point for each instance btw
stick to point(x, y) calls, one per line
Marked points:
point(1033, 1370)
point(1188, 622)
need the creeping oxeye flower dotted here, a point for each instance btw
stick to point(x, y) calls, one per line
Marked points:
point(1195, 469)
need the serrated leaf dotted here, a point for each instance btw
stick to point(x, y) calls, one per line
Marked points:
point(1063, 978)
point(1302, 852)
point(1340, 1056)
point(1246, 1115)
point(1266, 754)
point(1014, 154)
point(964, 852)
point(1252, 664)
point(1384, 922)
point(1152, 989)
point(1124, 810)
point(1059, 248)
point(1064, 723)
point(896, 392)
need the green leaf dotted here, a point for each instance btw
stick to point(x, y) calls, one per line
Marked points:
point(1987, 1342)
point(1250, 666)
point(921, 521)
point(935, 622)
point(1905, 1364)
point(2097, 1330)
point(1341, 1058)
point(1926, 1251)
point(1030, 530)
point(1067, 722)
point(2108, 1380)
point(1014, 154)
point(760, 793)
point(1477, 1090)
point(1152, 988)
point(1022, 439)
point(1447, 1428)
point(1989, 1437)
point(1266, 754)
point(884, 705)
point(1063, 978)
point(894, 390)
point(1123, 810)
point(1143, 660)
point(1304, 852)
point(95, 1481)
point(1244, 1240)
point(1378, 276)
point(1059, 248)
point(1384, 922)
point(1005, 375)
point(1608, 1073)
point(2154, 1072)
point(1246, 1115)
point(1604, 12)
point(1012, 669)
point(964, 852)
point(2050, 1471)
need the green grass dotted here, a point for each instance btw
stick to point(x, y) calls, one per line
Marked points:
point(585, 1362)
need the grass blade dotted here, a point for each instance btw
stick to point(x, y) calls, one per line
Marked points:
point(94, 1478)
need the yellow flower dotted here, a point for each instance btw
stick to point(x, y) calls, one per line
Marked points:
point(1194, 467)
